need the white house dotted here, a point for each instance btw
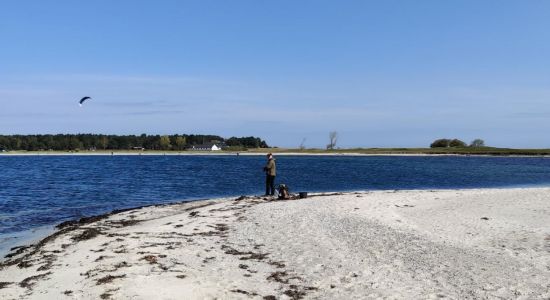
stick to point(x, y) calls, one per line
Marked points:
point(205, 147)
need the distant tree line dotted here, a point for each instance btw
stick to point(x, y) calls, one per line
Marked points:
point(456, 143)
point(246, 142)
point(61, 142)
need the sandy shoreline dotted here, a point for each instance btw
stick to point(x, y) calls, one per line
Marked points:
point(457, 244)
point(10, 240)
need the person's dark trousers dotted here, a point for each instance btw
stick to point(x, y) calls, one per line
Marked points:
point(270, 185)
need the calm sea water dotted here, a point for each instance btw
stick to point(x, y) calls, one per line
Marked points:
point(45, 190)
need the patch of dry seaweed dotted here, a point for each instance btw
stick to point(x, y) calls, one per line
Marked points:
point(119, 234)
point(24, 264)
point(295, 294)
point(125, 223)
point(81, 221)
point(278, 276)
point(206, 260)
point(87, 234)
point(120, 250)
point(248, 255)
point(255, 256)
point(121, 265)
point(72, 225)
point(220, 227)
point(150, 259)
point(109, 279)
point(18, 250)
point(239, 291)
point(101, 257)
point(277, 264)
point(5, 284)
point(29, 282)
point(107, 294)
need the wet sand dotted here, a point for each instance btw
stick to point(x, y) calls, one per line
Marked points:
point(456, 244)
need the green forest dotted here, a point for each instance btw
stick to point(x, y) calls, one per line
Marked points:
point(74, 142)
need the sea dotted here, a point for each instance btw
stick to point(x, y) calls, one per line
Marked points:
point(38, 192)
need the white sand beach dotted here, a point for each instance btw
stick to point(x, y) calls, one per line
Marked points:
point(455, 244)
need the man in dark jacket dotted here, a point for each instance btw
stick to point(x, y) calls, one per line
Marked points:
point(270, 172)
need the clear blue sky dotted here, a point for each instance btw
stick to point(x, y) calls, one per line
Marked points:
point(381, 73)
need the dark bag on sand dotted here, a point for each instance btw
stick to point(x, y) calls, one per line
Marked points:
point(284, 194)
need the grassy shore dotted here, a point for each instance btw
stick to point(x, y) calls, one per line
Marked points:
point(438, 151)
point(490, 151)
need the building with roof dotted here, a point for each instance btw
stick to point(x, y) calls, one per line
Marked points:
point(205, 147)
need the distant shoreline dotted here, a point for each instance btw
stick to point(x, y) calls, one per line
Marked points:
point(246, 153)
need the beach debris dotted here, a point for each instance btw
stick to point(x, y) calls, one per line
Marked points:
point(255, 256)
point(81, 221)
point(18, 251)
point(404, 205)
point(206, 260)
point(83, 99)
point(107, 294)
point(277, 264)
point(220, 227)
point(109, 279)
point(29, 282)
point(248, 255)
point(124, 223)
point(101, 257)
point(24, 264)
point(278, 276)
point(49, 260)
point(485, 218)
point(121, 265)
point(87, 234)
point(181, 276)
point(150, 259)
point(258, 246)
point(295, 294)
point(5, 284)
point(244, 292)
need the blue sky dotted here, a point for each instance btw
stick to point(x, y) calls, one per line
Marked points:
point(380, 73)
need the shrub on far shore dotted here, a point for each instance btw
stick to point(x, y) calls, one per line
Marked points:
point(457, 143)
point(440, 143)
point(477, 143)
point(445, 143)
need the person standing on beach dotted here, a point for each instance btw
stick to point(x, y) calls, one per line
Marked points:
point(270, 173)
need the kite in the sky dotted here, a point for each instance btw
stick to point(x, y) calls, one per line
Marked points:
point(83, 99)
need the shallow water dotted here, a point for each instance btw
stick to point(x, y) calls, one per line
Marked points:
point(44, 190)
